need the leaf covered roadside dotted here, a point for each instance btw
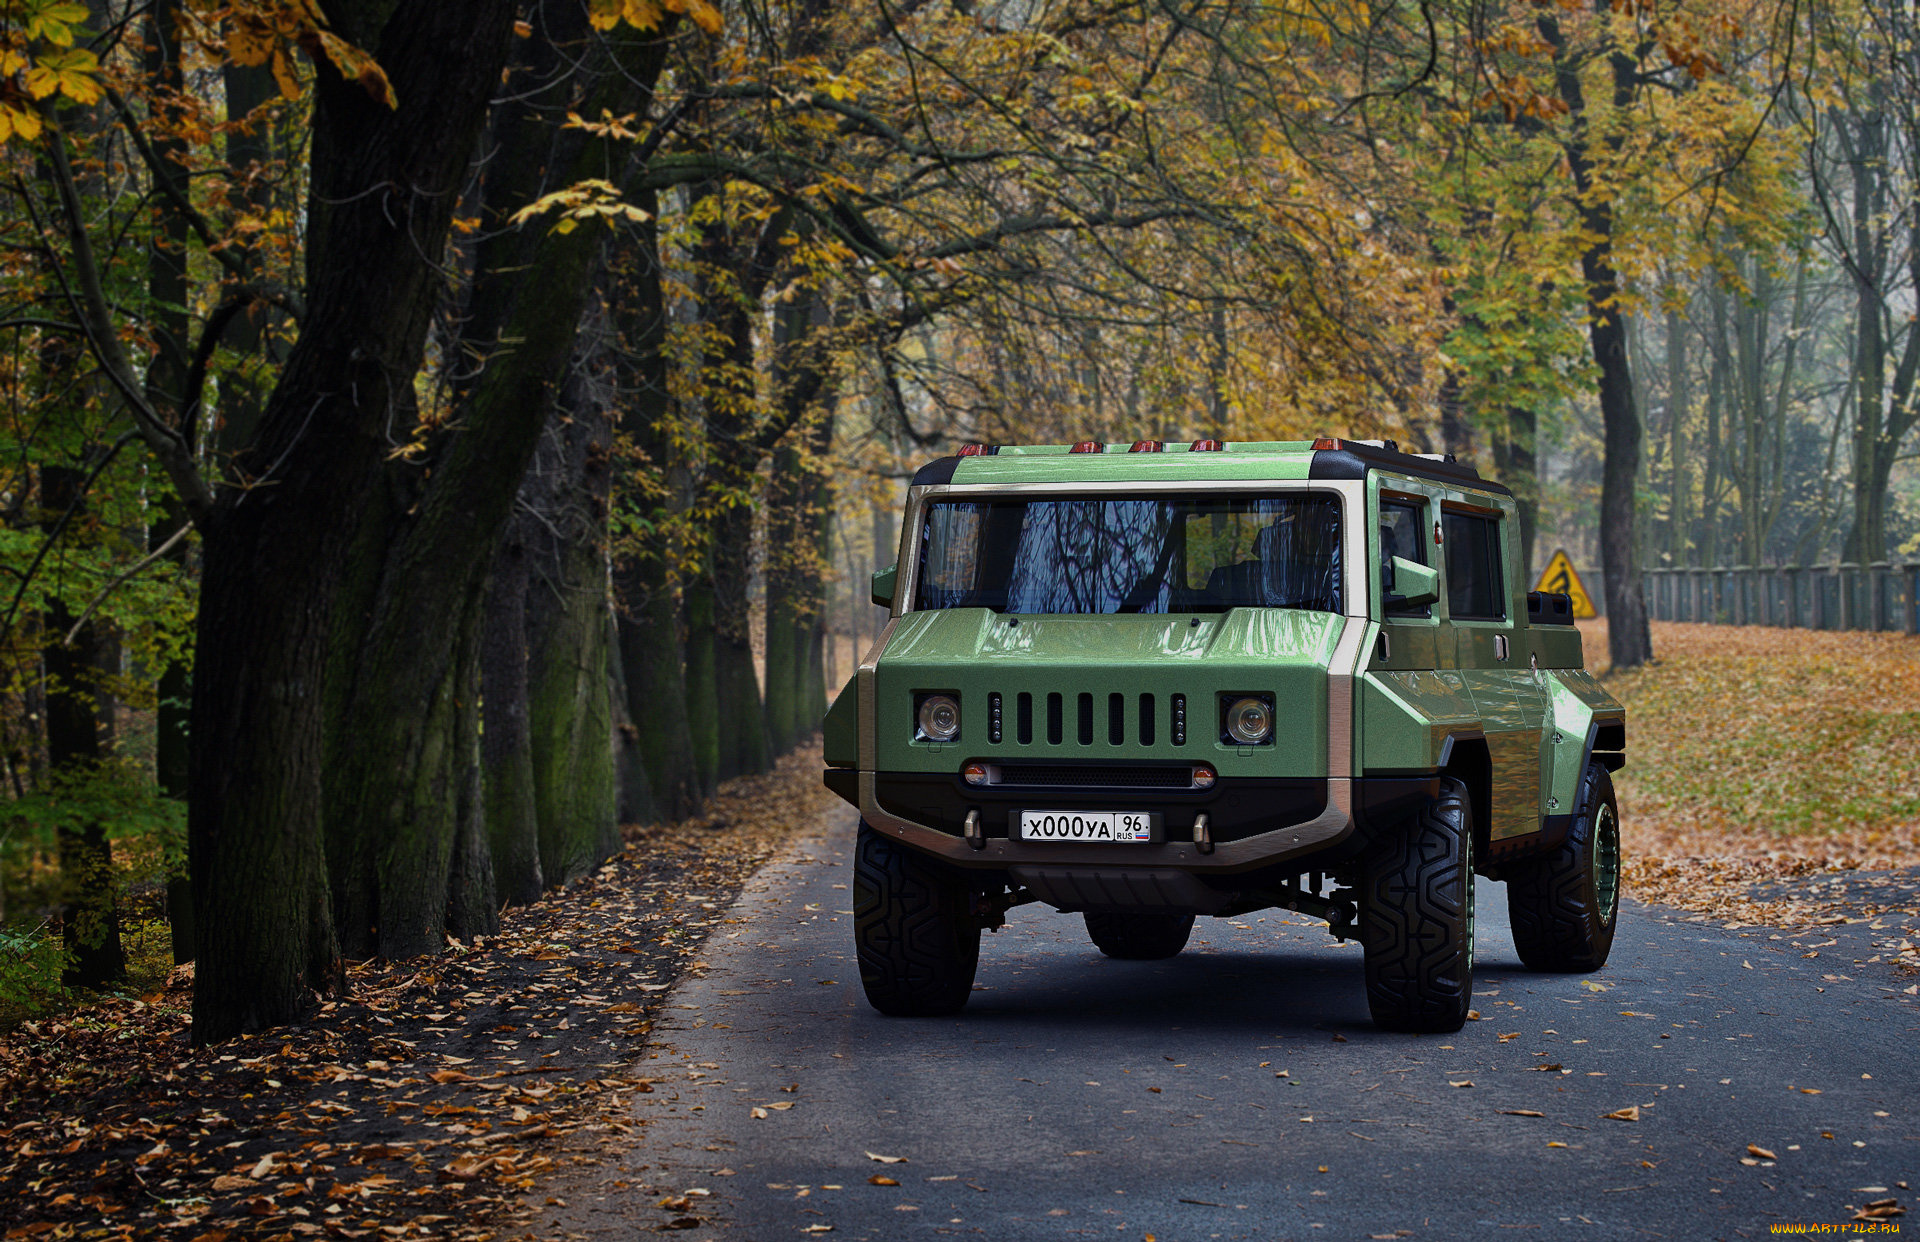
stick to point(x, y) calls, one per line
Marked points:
point(432, 1102)
point(1759, 755)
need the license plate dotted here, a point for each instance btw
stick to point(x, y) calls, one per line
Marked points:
point(1102, 826)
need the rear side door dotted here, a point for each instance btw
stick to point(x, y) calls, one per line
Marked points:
point(1483, 598)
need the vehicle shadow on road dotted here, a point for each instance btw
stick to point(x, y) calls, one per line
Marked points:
point(1271, 991)
point(1032, 976)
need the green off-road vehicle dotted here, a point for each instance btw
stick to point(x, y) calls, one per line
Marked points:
point(1143, 683)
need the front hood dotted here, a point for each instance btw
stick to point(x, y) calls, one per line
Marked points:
point(1242, 634)
point(1121, 672)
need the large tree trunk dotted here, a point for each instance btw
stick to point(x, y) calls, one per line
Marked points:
point(1679, 402)
point(383, 189)
point(1866, 536)
point(702, 681)
point(783, 608)
point(400, 754)
point(659, 697)
point(1885, 410)
point(250, 155)
point(166, 382)
point(1717, 413)
point(506, 755)
point(734, 270)
point(563, 524)
point(1515, 460)
point(1456, 434)
point(738, 708)
point(731, 280)
point(812, 668)
point(806, 385)
point(1628, 635)
point(796, 552)
point(633, 790)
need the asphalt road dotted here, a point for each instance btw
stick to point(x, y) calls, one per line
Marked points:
point(1240, 1091)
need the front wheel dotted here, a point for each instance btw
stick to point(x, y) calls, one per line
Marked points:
point(1563, 907)
point(1416, 918)
point(1139, 935)
point(913, 929)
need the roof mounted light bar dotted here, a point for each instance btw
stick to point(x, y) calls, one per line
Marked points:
point(1333, 443)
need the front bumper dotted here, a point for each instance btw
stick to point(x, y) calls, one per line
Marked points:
point(1314, 831)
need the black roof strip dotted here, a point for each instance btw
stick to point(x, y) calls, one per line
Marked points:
point(1352, 461)
point(937, 471)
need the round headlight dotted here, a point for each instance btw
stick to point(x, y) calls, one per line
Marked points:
point(939, 718)
point(1249, 721)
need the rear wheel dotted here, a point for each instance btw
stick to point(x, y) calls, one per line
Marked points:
point(913, 929)
point(1139, 935)
point(1563, 907)
point(1416, 919)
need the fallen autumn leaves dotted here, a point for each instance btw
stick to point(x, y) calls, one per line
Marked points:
point(1758, 754)
point(431, 1102)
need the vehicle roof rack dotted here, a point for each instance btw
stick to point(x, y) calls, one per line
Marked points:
point(1333, 457)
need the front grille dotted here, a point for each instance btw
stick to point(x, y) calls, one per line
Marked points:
point(1081, 776)
point(1081, 719)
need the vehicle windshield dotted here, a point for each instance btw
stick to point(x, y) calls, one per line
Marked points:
point(1173, 554)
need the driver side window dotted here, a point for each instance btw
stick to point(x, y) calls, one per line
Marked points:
point(1401, 525)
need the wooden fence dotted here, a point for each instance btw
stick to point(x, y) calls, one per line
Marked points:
point(1815, 597)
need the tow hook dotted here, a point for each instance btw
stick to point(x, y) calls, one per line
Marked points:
point(987, 912)
point(1202, 834)
point(975, 837)
point(989, 909)
point(1341, 918)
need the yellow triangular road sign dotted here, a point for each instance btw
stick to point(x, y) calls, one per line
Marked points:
point(1559, 576)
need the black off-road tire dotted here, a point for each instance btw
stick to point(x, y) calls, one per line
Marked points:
point(1563, 906)
point(1416, 918)
point(1139, 935)
point(913, 929)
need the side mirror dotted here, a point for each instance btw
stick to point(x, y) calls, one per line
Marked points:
point(883, 583)
point(1409, 584)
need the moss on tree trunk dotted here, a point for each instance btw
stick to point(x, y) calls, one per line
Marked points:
point(563, 525)
point(738, 708)
point(506, 760)
point(703, 694)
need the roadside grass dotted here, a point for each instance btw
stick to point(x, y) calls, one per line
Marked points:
point(1757, 754)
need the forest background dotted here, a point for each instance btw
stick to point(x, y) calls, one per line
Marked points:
point(437, 434)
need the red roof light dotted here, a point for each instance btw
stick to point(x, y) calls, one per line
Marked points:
point(1088, 446)
point(1325, 443)
point(1207, 446)
point(1147, 446)
point(979, 450)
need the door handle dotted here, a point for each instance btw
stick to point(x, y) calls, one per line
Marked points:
point(1500, 646)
